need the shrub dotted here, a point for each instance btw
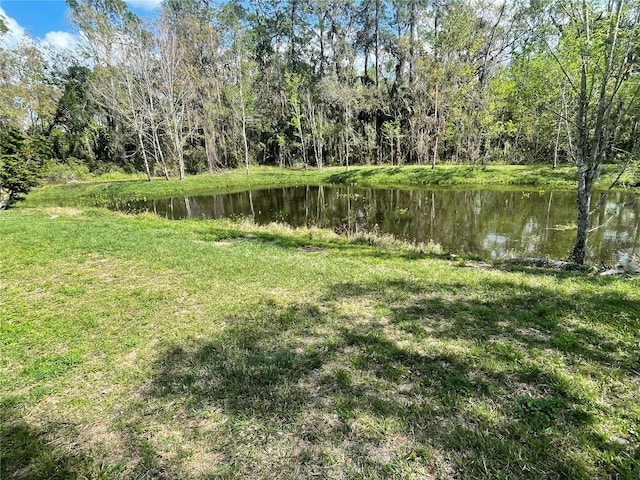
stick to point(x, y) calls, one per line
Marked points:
point(70, 171)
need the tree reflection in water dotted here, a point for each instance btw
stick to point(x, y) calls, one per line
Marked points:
point(488, 223)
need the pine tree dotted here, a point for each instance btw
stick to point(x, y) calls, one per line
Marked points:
point(21, 164)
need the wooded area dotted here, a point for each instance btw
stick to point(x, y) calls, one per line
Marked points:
point(205, 85)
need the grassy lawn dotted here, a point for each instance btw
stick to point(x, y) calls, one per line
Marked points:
point(105, 191)
point(138, 347)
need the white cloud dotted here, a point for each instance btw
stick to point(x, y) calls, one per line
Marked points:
point(14, 36)
point(61, 41)
point(56, 46)
point(144, 4)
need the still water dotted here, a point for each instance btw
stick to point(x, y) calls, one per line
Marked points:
point(489, 223)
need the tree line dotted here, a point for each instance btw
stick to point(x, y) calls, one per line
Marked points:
point(205, 85)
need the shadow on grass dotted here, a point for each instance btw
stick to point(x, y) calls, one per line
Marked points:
point(473, 388)
point(31, 453)
point(530, 319)
point(251, 368)
point(358, 245)
point(362, 246)
point(380, 379)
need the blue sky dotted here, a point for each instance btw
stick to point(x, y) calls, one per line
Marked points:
point(47, 20)
point(38, 17)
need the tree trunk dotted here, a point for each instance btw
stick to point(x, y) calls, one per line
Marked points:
point(377, 28)
point(321, 18)
point(412, 42)
point(144, 156)
point(584, 203)
point(292, 52)
point(584, 188)
point(244, 138)
point(555, 150)
point(366, 64)
point(316, 134)
point(179, 152)
point(437, 132)
point(346, 147)
point(378, 138)
point(591, 142)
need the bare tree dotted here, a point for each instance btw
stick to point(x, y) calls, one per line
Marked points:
point(604, 37)
point(176, 88)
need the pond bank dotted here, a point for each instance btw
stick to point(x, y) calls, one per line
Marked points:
point(488, 222)
point(101, 193)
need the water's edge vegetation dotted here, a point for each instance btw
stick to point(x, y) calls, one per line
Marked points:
point(138, 347)
point(102, 191)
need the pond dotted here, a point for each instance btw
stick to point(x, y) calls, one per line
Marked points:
point(488, 223)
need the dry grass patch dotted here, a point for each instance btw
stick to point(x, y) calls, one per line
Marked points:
point(63, 212)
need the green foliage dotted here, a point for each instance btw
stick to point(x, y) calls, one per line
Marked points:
point(285, 82)
point(70, 171)
point(21, 162)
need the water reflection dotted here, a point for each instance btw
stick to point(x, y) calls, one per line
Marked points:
point(490, 223)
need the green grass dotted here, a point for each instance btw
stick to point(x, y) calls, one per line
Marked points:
point(137, 347)
point(109, 190)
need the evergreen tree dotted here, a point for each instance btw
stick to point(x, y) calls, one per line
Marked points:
point(21, 164)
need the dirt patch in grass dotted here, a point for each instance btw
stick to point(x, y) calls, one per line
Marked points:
point(63, 212)
point(230, 241)
point(311, 249)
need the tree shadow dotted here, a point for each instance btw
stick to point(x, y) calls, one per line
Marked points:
point(533, 319)
point(30, 453)
point(252, 368)
point(356, 245)
point(459, 379)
